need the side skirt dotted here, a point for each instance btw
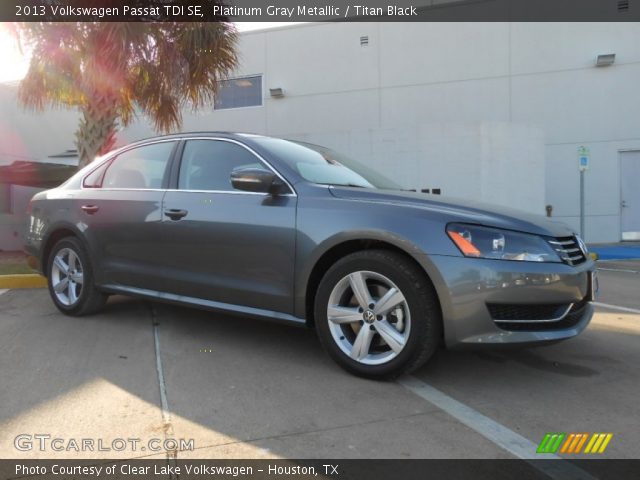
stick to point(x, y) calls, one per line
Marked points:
point(207, 304)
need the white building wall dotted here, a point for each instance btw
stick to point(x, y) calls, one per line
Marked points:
point(493, 111)
point(555, 85)
point(473, 160)
point(26, 135)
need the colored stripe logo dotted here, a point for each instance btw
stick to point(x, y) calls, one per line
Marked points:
point(574, 443)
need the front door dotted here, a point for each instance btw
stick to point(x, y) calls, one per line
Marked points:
point(630, 195)
point(227, 245)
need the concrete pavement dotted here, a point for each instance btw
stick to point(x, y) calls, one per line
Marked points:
point(243, 388)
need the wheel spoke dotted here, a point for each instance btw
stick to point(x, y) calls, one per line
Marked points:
point(360, 289)
point(362, 343)
point(72, 292)
point(62, 285)
point(77, 277)
point(389, 301)
point(390, 335)
point(338, 314)
point(63, 267)
point(72, 261)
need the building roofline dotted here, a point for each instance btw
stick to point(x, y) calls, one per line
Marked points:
point(284, 27)
point(10, 83)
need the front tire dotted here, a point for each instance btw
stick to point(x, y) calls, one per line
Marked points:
point(71, 281)
point(377, 314)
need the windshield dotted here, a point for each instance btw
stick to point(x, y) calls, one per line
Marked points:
point(322, 165)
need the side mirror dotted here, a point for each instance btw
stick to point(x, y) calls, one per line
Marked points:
point(257, 180)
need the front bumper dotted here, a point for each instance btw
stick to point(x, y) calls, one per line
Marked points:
point(468, 286)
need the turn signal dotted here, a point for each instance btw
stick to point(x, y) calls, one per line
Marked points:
point(464, 245)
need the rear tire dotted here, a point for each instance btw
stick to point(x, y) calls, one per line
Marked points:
point(385, 293)
point(71, 280)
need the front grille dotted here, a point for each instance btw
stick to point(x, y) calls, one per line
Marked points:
point(537, 318)
point(569, 250)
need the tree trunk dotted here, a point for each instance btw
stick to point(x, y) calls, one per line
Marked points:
point(96, 133)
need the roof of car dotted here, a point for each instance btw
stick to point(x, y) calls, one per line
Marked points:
point(197, 134)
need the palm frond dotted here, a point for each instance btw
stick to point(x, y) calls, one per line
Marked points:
point(157, 69)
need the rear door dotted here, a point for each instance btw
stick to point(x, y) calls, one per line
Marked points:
point(227, 245)
point(121, 216)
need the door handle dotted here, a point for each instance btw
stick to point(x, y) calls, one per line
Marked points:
point(175, 213)
point(623, 204)
point(90, 209)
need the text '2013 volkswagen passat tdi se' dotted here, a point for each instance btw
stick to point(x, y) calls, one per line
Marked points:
point(298, 233)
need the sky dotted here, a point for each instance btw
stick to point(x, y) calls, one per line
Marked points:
point(15, 64)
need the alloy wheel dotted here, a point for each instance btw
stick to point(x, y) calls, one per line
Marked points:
point(368, 317)
point(67, 277)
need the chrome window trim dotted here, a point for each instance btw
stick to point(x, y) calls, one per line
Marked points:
point(111, 189)
point(233, 192)
point(109, 157)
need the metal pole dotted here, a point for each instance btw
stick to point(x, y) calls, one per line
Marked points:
point(582, 204)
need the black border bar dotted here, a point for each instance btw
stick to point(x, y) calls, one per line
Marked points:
point(334, 469)
point(320, 10)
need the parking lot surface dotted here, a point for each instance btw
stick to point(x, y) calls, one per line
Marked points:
point(243, 388)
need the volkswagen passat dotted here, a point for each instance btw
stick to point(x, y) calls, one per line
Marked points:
point(298, 233)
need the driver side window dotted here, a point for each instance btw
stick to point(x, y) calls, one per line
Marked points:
point(207, 164)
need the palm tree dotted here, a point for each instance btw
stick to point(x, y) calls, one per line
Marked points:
point(112, 72)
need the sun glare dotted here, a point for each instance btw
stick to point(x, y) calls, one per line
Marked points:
point(15, 64)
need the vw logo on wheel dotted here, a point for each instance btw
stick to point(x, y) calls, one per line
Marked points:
point(369, 316)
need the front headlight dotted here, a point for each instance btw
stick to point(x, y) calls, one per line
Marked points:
point(486, 242)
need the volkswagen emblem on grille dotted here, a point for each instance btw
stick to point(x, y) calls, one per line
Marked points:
point(369, 316)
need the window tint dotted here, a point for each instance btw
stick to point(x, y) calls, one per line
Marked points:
point(239, 92)
point(207, 164)
point(141, 167)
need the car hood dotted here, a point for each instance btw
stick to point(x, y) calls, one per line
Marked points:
point(460, 210)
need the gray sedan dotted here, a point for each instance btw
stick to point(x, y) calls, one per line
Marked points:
point(298, 233)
